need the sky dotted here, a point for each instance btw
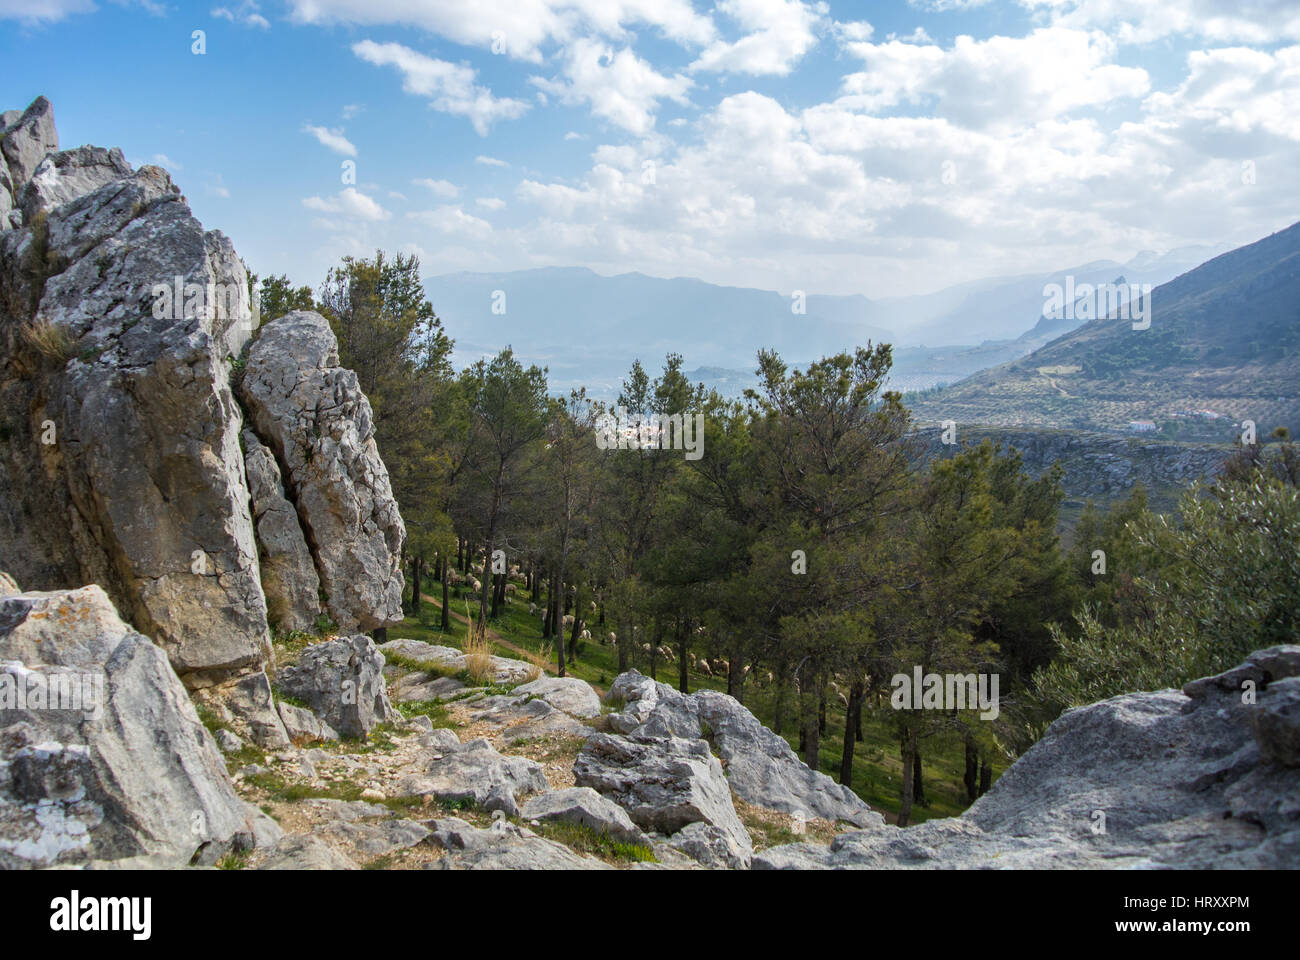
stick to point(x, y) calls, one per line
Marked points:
point(884, 149)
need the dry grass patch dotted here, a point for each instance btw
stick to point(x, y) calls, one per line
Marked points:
point(771, 828)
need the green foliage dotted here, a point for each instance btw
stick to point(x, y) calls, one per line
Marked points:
point(1228, 583)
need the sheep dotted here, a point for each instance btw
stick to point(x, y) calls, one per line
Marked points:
point(704, 667)
point(844, 701)
point(475, 585)
point(585, 635)
point(645, 647)
point(593, 606)
point(532, 609)
point(612, 637)
point(567, 620)
point(510, 588)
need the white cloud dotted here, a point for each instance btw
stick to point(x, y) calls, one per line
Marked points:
point(997, 82)
point(43, 11)
point(490, 161)
point(574, 135)
point(350, 110)
point(619, 87)
point(491, 203)
point(442, 189)
point(247, 14)
point(449, 87)
point(779, 33)
point(519, 28)
point(1142, 21)
point(452, 220)
point(350, 203)
point(333, 139)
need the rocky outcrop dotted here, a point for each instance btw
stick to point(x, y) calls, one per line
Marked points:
point(504, 847)
point(342, 682)
point(570, 694)
point(475, 771)
point(319, 425)
point(1206, 778)
point(761, 767)
point(289, 577)
point(25, 140)
point(120, 460)
point(664, 784)
point(505, 669)
point(587, 808)
point(102, 756)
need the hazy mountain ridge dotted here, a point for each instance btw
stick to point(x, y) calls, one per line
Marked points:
point(1223, 338)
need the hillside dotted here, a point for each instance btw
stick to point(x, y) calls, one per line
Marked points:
point(1222, 338)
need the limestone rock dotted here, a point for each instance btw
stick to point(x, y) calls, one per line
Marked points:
point(312, 414)
point(289, 577)
point(712, 847)
point(505, 669)
point(63, 177)
point(570, 694)
point(303, 725)
point(504, 847)
point(664, 783)
point(26, 140)
point(761, 767)
point(142, 489)
point(342, 682)
point(476, 771)
point(1193, 780)
point(129, 771)
point(583, 805)
point(297, 851)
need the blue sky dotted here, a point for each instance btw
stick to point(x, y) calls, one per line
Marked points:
point(875, 148)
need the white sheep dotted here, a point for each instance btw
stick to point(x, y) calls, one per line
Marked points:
point(612, 637)
point(567, 620)
point(532, 609)
point(585, 635)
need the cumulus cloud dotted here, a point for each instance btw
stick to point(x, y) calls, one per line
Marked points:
point(350, 203)
point(487, 161)
point(997, 82)
point(449, 87)
point(517, 28)
point(777, 35)
point(618, 86)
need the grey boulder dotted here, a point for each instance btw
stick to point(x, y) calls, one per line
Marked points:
point(586, 807)
point(342, 682)
point(127, 772)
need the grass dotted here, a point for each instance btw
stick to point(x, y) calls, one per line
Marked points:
point(583, 839)
point(49, 340)
point(478, 660)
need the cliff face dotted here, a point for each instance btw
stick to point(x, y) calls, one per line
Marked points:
point(121, 461)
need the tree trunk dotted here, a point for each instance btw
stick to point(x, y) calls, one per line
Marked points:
point(624, 639)
point(417, 581)
point(971, 778)
point(918, 781)
point(812, 731)
point(445, 622)
point(683, 665)
point(907, 749)
point(821, 714)
point(986, 777)
point(460, 555)
point(852, 718)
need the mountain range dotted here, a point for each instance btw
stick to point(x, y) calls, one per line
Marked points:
point(1223, 346)
point(587, 328)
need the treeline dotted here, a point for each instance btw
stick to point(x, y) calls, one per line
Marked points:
point(809, 550)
